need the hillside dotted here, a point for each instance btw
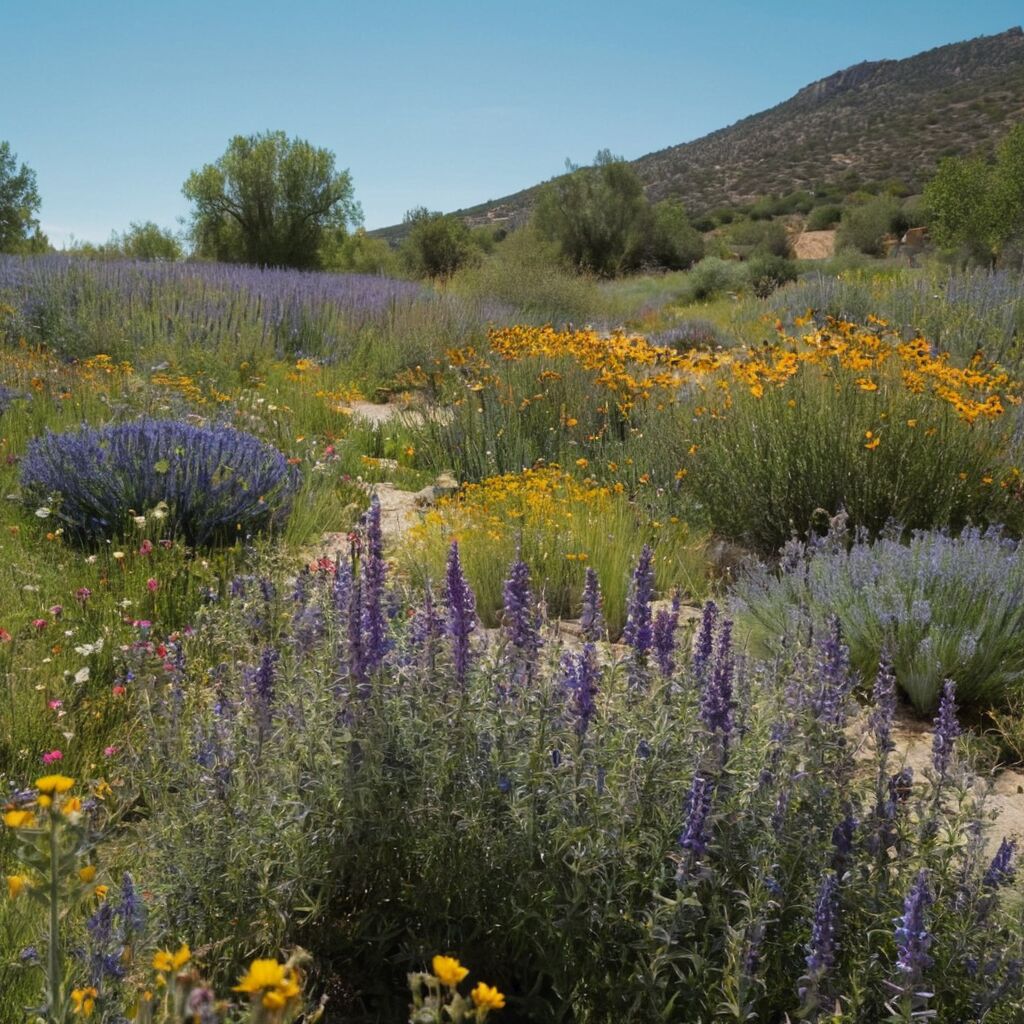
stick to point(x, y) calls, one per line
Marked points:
point(871, 122)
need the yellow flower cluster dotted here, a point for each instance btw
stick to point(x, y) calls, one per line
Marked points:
point(547, 497)
point(874, 353)
point(274, 984)
point(449, 972)
point(877, 355)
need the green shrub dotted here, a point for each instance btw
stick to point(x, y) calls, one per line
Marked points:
point(714, 276)
point(767, 272)
point(821, 218)
point(865, 226)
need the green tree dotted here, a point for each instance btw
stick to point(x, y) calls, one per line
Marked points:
point(269, 201)
point(437, 244)
point(673, 242)
point(19, 201)
point(149, 242)
point(598, 215)
point(962, 212)
point(358, 253)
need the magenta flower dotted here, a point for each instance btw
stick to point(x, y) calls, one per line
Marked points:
point(52, 756)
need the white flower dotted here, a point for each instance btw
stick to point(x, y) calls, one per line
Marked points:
point(82, 675)
point(42, 513)
point(139, 520)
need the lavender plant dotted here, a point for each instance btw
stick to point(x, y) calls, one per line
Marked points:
point(215, 484)
point(941, 607)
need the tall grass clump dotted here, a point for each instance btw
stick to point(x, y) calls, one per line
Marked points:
point(937, 607)
point(855, 418)
point(214, 484)
point(605, 835)
point(559, 527)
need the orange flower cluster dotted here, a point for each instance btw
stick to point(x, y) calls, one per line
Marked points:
point(872, 352)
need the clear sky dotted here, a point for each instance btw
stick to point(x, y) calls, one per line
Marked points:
point(442, 104)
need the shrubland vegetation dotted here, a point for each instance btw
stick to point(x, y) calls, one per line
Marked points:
point(620, 721)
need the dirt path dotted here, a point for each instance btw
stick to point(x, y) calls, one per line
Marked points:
point(814, 245)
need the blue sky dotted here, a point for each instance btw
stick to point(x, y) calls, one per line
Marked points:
point(442, 104)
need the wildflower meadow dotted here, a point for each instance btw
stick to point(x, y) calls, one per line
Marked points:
point(376, 650)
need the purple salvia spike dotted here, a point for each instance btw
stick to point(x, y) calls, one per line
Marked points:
point(716, 704)
point(1002, 869)
point(913, 939)
point(374, 574)
point(637, 633)
point(704, 645)
point(694, 838)
point(591, 615)
point(665, 625)
point(520, 617)
point(947, 729)
point(821, 950)
point(885, 706)
point(461, 622)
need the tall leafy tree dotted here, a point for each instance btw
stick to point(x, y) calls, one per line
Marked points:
point(598, 215)
point(978, 206)
point(19, 200)
point(437, 244)
point(269, 200)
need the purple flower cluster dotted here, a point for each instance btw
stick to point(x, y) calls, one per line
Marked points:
point(822, 948)
point(579, 678)
point(592, 625)
point(218, 483)
point(913, 938)
point(947, 729)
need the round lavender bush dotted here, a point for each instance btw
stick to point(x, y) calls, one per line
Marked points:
point(216, 483)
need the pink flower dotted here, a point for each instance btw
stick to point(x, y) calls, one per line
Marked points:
point(83, 594)
point(56, 610)
point(53, 755)
point(167, 544)
point(39, 623)
point(54, 704)
point(118, 691)
point(152, 585)
point(146, 547)
point(110, 751)
point(5, 637)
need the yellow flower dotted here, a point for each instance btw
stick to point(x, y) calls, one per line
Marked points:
point(165, 960)
point(71, 806)
point(262, 974)
point(87, 874)
point(16, 883)
point(84, 1000)
point(571, 421)
point(101, 891)
point(19, 819)
point(866, 384)
point(51, 784)
point(911, 423)
point(872, 441)
point(582, 463)
point(486, 997)
point(273, 1000)
point(448, 970)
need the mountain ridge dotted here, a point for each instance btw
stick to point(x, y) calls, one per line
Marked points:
point(889, 119)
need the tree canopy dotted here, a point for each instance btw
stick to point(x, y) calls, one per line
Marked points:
point(437, 244)
point(977, 206)
point(269, 200)
point(604, 224)
point(19, 201)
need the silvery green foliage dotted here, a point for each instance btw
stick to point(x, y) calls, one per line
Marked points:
point(940, 607)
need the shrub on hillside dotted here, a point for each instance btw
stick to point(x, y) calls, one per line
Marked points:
point(216, 484)
point(821, 218)
point(939, 607)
